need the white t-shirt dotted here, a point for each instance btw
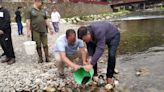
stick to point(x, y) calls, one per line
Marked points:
point(55, 16)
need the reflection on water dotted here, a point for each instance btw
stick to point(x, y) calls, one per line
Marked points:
point(140, 34)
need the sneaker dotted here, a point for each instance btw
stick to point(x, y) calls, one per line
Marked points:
point(40, 60)
point(5, 60)
point(11, 61)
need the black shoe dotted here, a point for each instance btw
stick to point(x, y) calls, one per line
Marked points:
point(5, 60)
point(40, 60)
point(11, 61)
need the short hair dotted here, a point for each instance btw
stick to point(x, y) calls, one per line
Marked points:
point(70, 32)
point(82, 31)
point(19, 7)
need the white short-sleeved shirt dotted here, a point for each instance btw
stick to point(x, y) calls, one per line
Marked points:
point(62, 45)
point(55, 17)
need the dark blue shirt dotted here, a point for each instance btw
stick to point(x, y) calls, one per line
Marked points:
point(18, 16)
point(102, 33)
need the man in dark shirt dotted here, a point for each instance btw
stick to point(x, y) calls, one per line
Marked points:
point(96, 36)
point(18, 20)
point(5, 36)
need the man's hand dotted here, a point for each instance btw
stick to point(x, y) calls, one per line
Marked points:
point(75, 67)
point(88, 67)
point(29, 33)
point(1, 32)
point(88, 61)
point(51, 31)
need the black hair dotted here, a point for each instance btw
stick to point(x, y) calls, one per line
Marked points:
point(82, 31)
point(19, 7)
point(70, 32)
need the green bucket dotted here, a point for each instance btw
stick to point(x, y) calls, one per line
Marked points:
point(83, 77)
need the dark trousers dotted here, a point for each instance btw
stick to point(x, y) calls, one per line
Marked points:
point(7, 46)
point(112, 49)
point(20, 28)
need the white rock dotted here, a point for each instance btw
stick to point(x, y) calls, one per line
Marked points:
point(108, 87)
point(116, 82)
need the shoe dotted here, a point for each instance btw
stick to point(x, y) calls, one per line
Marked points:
point(11, 61)
point(40, 60)
point(110, 81)
point(47, 60)
point(46, 54)
point(5, 60)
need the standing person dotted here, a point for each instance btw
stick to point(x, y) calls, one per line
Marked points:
point(96, 36)
point(37, 24)
point(55, 18)
point(66, 51)
point(18, 20)
point(5, 36)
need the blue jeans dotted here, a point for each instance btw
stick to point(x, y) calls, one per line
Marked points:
point(112, 50)
point(20, 28)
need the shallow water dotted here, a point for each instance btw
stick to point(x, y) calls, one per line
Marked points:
point(140, 33)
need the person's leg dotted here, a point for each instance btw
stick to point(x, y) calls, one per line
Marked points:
point(3, 45)
point(57, 26)
point(19, 28)
point(37, 39)
point(91, 50)
point(9, 49)
point(112, 49)
point(44, 41)
point(53, 23)
point(60, 65)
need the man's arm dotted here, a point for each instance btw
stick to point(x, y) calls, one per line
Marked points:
point(67, 61)
point(84, 55)
point(28, 23)
point(99, 49)
point(49, 26)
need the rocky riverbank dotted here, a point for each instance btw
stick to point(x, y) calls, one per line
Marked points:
point(141, 72)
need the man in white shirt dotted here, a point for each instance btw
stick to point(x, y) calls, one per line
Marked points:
point(66, 51)
point(55, 18)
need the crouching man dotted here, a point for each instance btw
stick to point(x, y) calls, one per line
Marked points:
point(68, 48)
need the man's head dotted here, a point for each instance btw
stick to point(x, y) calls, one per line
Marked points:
point(38, 3)
point(19, 7)
point(71, 36)
point(54, 9)
point(84, 34)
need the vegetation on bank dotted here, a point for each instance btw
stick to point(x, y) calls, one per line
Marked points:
point(78, 19)
point(162, 8)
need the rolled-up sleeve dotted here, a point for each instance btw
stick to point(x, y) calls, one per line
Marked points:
point(81, 43)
